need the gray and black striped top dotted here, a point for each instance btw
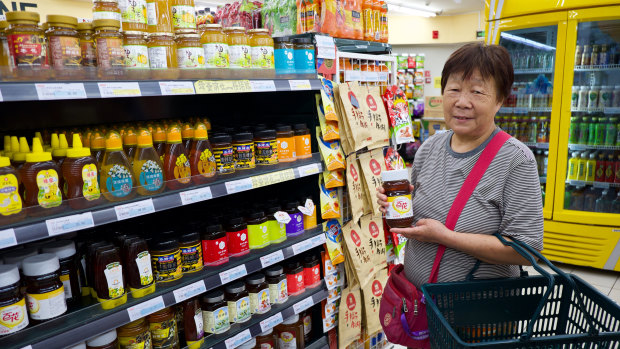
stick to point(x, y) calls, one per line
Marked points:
point(507, 199)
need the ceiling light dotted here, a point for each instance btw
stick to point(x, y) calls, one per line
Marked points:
point(526, 41)
point(410, 10)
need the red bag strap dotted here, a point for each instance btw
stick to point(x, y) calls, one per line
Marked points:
point(471, 182)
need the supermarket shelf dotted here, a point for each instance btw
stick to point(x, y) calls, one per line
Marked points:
point(360, 46)
point(537, 145)
point(534, 71)
point(41, 228)
point(92, 320)
point(524, 110)
point(608, 110)
point(241, 333)
point(606, 67)
point(603, 185)
point(592, 147)
point(321, 343)
point(51, 90)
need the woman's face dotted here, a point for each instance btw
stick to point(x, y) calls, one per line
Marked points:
point(470, 105)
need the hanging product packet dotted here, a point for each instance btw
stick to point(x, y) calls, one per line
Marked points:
point(372, 294)
point(333, 179)
point(329, 321)
point(330, 203)
point(358, 124)
point(397, 106)
point(345, 132)
point(349, 317)
point(329, 129)
point(393, 161)
point(361, 258)
point(372, 225)
point(331, 153)
point(355, 189)
point(372, 164)
point(374, 110)
point(327, 97)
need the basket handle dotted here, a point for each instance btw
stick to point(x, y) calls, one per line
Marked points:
point(523, 249)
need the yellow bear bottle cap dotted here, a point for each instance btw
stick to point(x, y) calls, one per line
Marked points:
point(130, 138)
point(187, 131)
point(200, 131)
point(4, 161)
point(145, 139)
point(97, 141)
point(14, 147)
point(23, 150)
point(63, 145)
point(173, 134)
point(38, 155)
point(78, 151)
point(7, 143)
point(113, 141)
point(55, 141)
point(159, 134)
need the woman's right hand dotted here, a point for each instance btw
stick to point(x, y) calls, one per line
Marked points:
point(382, 198)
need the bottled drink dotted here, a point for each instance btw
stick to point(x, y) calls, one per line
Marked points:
point(594, 55)
point(581, 166)
point(591, 167)
point(603, 57)
point(573, 133)
point(605, 96)
point(578, 54)
point(577, 198)
point(574, 97)
point(573, 164)
point(599, 175)
point(611, 129)
point(568, 193)
point(609, 167)
point(603, 203)
point(583, 131)
point(593, 94)
point(590, 196)
point(601, 128)
point(582, 102)
point(585, 57)
point(615, 205)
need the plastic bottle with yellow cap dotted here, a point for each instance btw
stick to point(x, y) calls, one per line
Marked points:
point(97, 146)
point(147, 166)
point(10, 200)
point(176, 165)
point(187, 134)
point(81, 176)
point(115, 178)
point(41, 177)
point(14, 147)
point(159, 141)
point(130, 143)
point(60, 153)
point(54, 143)
point(201, 158)
point(19, 158)
point(7, 146)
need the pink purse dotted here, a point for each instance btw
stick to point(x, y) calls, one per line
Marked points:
point(403, 308)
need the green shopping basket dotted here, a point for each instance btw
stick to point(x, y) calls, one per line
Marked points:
point(548, 311)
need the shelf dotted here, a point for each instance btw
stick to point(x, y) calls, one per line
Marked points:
point(37, 228)
point(321, 343)
point(90, 320)
point(603, 185)
point(608, 110)
point(241, 333)
point(360, 46)
point(606, 67)
point(537, 145)
point(592, 147)
point(524, 110)
point(534, 71)
point(54, 90)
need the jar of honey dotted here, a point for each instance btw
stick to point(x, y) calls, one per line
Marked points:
point(86, 34)
point(12, 302)
point(163, 56)
point(158, 16)
point(164, 329)
point(215, 47)
point(106, 9)
point(190, 55)
point(261, 45)
point(398, 191)
point(64, 43)
point(24, 32)
point(135, 334)
point(136, 55)
point(133, 14)
point(239, 48)
point(110, 52)
point(183, 14)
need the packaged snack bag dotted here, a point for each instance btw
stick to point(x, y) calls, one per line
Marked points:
point(374, 110)
point(331, 153)
point(346, 137)
point(349, 317)
point(329, 321)
point(372, 164)
point(329, 129)
point(354, 188)
point(333, 179)
point(360, 256)
point(358, 124)
point(333, 234)
point(397, 106)
point(373, 227)
point(330, 205)
point(327, 96)
point(372, 294)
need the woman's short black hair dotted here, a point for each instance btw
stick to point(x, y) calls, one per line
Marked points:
point(492, 61)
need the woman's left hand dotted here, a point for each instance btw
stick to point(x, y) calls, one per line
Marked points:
point(426, 230)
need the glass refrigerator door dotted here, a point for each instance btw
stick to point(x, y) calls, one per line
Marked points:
point(591, 177)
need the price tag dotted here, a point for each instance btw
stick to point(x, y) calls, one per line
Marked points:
point(372, 76)
point(176, 88)
point(271, 322)
point(7, 238)
point(271, 259)
point(27, 347)
point(308, 170)
point(68, 224)
point(308, 208)
point(608, 110)
point(272, 178)
point(324, 40)
point(60, 91)
point(299, 85)
point(303, 305)
point(195, 195)
point(383, 76)
point(233, 274)
point(325, 52)
point(134, 209)
point(222, 86)
point(603, 185)
point(238, 185)
point(302, 246)
point(262, 85)
point(145, 308)
point(238, 339)
point(352, 75)
point(282, 217)
point(318, 240)
point(189, 291)
point(119, 89)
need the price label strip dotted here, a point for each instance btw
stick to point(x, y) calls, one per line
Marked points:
point(299, 85)
point(308, 170)
point(272, 178)
point(68, 224)
point(189, 291)
point(303, 305)
point(169, 88)
point(145, 308)
point(308, 244)
point(119, 89)
point(7, 238)
point(271, 259)
point(233, 274)
point(60, 91)
point(262, 85)
point(238, 339)
point(1, 98)
point(134, 209)
point(271, 322)
point(222, 86)
point(238, 185)
point(195, 195)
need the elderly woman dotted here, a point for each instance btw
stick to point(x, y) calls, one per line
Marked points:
point(475, 81)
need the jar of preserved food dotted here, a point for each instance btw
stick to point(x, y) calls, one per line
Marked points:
point(12, 302)
point(165, 258)
point(224, 154)
point(183, 14)
point(6, 63)
point(294, 277)
point(303, 148)
point(137, 261)
point(304, 56)
point(284, 57)
point(238, 301)
point(312, 271)
point(214, 245)
point(261, 45)
point(306, 320)
point(290, 333)
point(215, 313)
point(398, 190)
point(278, 288)
point(65, 51)
point(251, 344)
point(109, 285)
point(136, 55)
point(163, 56)
point(133, 14)
point(86, 34)
point(108, 340)
point(266, 147)
point(164, 330)
point(135, 334)
point(286, 144)
point(276, 230)
point(27, 45)
point(191, 251)
point(239, 51)
point(258, 235)
point(158, 16)
point(309, 219)
point(266, 340)
point(258, 290)
point(106, 9)
point(110, 53)
point(215, 46)
point(190, 55)
point(295, 226)
point(243, 150)
point(66, 253)
point(237, 236)
point(44, 291)
point(193, 323)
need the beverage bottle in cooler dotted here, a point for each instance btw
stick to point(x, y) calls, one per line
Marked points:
point(574, 98)
point(617, 169)
point(615, 205)
point(578, 54)
point(549, 60)
point(603, 57)
point(601, 128)
point(585, 57)
point(543, 132)
point(616, 97)
point(573, 132)
point(542, 192)
point(568, 194)
point(594, 55)
point(545, 163)
point(589, 199)
point(599, 174)
point(592, 131)
point(532, 130)
point(581, 166)
point(593, 94)
point(603, 203)
point(609, 167)
point(582, 101)
point(573, 164)
point(605, 96)
point(549, 97)
point(591, 167)
point(538, 156)
point(577, 198)
point(583, 131)
point(611, 130)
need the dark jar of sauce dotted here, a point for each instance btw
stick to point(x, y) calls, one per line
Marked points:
point(166, 258)
point(224, 154)
point(139, 272)
point(193, 323)
point(135, 334)
point(266, 147)
point(243, 147)
point(398, 190)
point(215, 313)
point(66, 253)
point(258, 290)
point(13, 310)
point(164, 330)
point(45, 293)
point(238, 301)
point(191, 251)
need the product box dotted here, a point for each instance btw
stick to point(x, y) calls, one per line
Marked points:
point(434, 124)
point(433, 107)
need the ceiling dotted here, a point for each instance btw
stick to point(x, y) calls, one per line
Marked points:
point(445, 7)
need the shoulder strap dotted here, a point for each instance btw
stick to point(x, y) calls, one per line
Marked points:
point(471, 182)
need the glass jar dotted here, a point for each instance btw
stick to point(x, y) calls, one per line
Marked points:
point(108, 340)
point(266, 147)
point(304, 56)
point(312, 271)
point(164, 330)
point(215, 313)
point(258, 234)
point(284, 57)
point(294, 277)
point(266, 340)
point(191, 251)
point(215, 46)
point(163, 56)
point(239, 48)
point(65, 251)
point(286, 144)
point(278, 288)
point(190, 55)
point(295, 226)
point(224, 154)
point(106, 9)
point(6, 70)
point(27, 44)
point(165, 258)
point(87, 47)
point(13, 310)
point(277, 230)
point(261, 45)
point(214, 245)
point(303, 149)
point(110, 53)
point(398, 190)
point(158, 16)
point(238, 301)
point(290, 333)
point(64, 44)
point(237, 236)
point(133, 14)
point(43, 287)
point(183, 14)
point(243, 150)
point(258, 290)
point(135, 334)
point(136, 55)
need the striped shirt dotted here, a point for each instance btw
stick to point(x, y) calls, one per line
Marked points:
point(507, 200)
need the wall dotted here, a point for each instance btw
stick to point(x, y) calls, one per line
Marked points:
point(408, 30)
point(76, 8)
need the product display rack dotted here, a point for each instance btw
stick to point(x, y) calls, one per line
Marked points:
point(533, 71)
point(348, 45)
point(603, 67)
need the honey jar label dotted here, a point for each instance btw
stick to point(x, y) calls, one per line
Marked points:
point(151, 175)
point(164, 333)
point(216, 55)
point(266, 152)
point(65, 51)
point(215, 251)
point(49, 191)
point(151, 13)
point(296, 283)
point(110, 53)
point(262, 57)
point(286, 148)
point(10, 201)
point(244, 155)
point(136, 56)
point(43, 306)
point(277, 231)
point(119, 182)
point(182, 171)
point(307, 320)
point(400, 207)
point(191, 258)
point(143, 262)
point(191, 57)
point(278, 293)
point(259, 302)
point(27, 50)
point(237, 241)
point(167, 267)
point(66, 283)
point(206, 163)
point(90, 188)
point(296, 225)
point(258, 235)
point(200, 332)
point(287, 340)
point(239, 310)
point(225, 160)
point(240, 57)
point(13, 317)
point(106, 15)
point(216, 321)
point(183, 17)
point(114, 277)
point(302, 146)
point(158, 57)
point(133, 11)
point(312, 276)
point(141, 341)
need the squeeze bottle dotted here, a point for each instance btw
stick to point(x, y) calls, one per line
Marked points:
point(115, 179)
point(201, 158)
point(176, 164)
point(147, 167)
point(80, 172)
point(41, 178)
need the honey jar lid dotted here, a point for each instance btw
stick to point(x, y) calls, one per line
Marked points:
point(14, 147)
point(4, 161)
point(22, 16)
point(97, 141)
point(291, 320)
point(38, 155)
point(252, 31)
point(16, 257)
point(214, 297)
point(235, 287)
point(60, 248)
point(159, 134)
point(83, 26)
point(24, 149)
point(144, 138)
point(200, 131)
point(62, 19)
point(255, 279)
point(9, 275)
point(130, 137)
point(102, 339)
point(276, 270)
point(40, 264)
point(395, 175)
point(113, 141)
point(77, 151)
point(213, 25)
point(173, 134)
point(110, 23)
point(234, 29)
point(63, 145)
point(187, 131)
point(143, 34)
